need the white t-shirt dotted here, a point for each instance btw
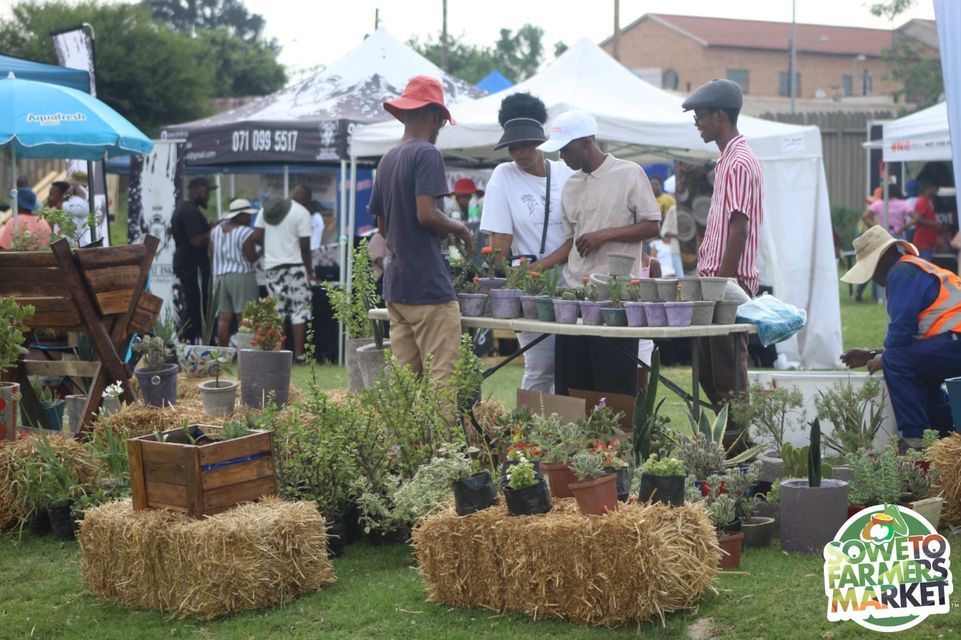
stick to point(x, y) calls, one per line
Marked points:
point(282, 241)
point(514, 203)
point(316, 231)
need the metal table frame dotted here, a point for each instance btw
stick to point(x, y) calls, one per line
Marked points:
point(648, 333)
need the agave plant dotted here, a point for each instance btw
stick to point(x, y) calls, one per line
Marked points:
point(714, 431)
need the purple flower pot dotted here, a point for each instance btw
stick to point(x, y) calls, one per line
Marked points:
point(506, 303)
point(655, 314)
point(635, 314)
point(679, 314)
point(565, 311)
point(529, 307)
point(472, 304)
point(591, 312)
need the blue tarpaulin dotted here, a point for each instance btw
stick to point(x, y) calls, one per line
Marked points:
point(29, 70)
point(494, 82)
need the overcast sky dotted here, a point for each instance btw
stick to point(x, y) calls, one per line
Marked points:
point(327, 30)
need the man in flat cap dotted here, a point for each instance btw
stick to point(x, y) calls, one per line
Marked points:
point(922, 347)
point(191, 232)
point(730, 244)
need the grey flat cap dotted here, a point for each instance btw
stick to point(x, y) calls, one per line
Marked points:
point(716, 94)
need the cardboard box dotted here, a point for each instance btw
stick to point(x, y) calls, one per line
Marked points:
point(616, 401)
point(577, 405)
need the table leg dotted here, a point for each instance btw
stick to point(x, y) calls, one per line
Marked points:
point(696, 378)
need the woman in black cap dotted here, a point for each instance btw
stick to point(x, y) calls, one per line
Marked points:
point(522, 211)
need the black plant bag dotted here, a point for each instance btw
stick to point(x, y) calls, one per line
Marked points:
point(529, 500)
point(474, 493)
point(507, 464)
point(664, 489)
point(623, 482)
point(61, 521)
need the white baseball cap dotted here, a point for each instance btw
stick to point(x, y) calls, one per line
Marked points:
point(568, 126)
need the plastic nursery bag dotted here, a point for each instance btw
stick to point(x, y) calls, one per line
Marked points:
point(776, 321)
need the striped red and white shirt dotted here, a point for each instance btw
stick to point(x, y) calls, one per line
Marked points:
point(737, 187)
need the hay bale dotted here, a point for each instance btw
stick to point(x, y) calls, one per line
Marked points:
point(945, 457)
point(640, 563)
point(255, 555)
point(15, 506)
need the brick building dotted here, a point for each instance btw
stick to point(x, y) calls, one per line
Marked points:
point(683, 52)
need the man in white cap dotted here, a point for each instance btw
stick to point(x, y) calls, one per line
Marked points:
point(923, 346)
point(407, 199)
point(608, 207)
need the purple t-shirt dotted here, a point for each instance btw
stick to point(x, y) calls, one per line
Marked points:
point(416, 272)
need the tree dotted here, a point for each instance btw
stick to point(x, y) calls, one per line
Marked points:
point(464, 61)
point(189, 16)
point(891, 9)
point(242, 68)
point(149, 74)
point(910, 61)
point(517, 56)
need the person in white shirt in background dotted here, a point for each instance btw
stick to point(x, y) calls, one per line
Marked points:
point(518, 217)
point(316, 230)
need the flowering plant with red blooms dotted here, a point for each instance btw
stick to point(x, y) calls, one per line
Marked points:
point(633, 290)
point(518, 449)
point(261, 319)
point(518, 276)
point(610, 452)
point(494, 260)
point(591, 293)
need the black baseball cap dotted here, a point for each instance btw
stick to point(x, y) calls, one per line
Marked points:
point(201, 181)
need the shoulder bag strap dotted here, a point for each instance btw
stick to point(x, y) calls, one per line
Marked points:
point(547, 209)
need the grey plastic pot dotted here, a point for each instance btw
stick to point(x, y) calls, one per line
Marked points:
point(758, 531)
point(472, 305)
point(591, 311)
point(565, 311)
point(811, 516)
point(355, 379)
point(506, 303)
point(712, 288)
point(158, 385)
point(265, 376)
point(772, 466)
point(219, 397)
point(620, 264)
point(690, 289)
point(372, 362)
point(529, 307)
point(703, 313)
point(725, 311)
point(646, 290)
point(666, 289)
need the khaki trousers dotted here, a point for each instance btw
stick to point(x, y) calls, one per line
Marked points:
point(417, 330)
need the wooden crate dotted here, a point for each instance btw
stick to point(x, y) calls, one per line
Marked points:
point(204, 478)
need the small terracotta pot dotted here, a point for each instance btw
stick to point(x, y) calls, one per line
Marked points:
point(730, 549)
point(559, 475)
point(596, 497)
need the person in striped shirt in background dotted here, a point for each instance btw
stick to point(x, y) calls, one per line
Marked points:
point(233, 260)
point(730, 244)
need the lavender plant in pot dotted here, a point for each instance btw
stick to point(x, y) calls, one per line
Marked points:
point(565, 307)
point(590, 305)
point(12, 319)
point(633, 307)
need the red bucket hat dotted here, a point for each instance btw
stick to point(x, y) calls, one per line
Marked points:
point(466, 187)
point(419, 92)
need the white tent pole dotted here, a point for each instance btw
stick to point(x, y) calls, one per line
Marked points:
point(884, 189)
point(286, 181)
point(13, 191)
point(351, 216)
point(341, 226)
point(220, 204)
point(233, 186)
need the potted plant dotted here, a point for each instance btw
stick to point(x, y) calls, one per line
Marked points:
point(496, 264)
point(590, 303)
point(856, 412)
point(565, 307)
point(51, 405)
point(611, 452)
point(812, 510)
point(666, 289)
point(265, 369)
point(557, 441)
point(701, 456)
point(12, 318)
point(758, 530)
point(350, 306)
point(56, 484)
point(197, 360)
point(158, 380)
point(771, 412)
point(614, 315)
point(595, 489)
point(533, 288)
point(110, 398)
point(472, 302)
point(473, 489)
point(721, 511)
point(526, 492)
point(517, 450)
point(506, 299)
point(218, 395)
point(633, 306)
point(546, 282)
point(662, 481)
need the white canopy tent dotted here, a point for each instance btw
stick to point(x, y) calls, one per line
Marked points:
point(639, 121)
point(921, 136)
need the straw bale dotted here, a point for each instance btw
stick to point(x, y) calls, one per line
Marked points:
point(14, 503)
point(640, 563)
point(945, 456)
point(254, 555)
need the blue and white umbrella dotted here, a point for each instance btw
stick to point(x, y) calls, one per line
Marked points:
point(41, 120)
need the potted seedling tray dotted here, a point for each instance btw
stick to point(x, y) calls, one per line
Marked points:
point(193, 471)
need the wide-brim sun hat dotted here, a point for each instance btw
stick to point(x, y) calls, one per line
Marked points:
point(238, 207)
point(419, 92)
point(569, 126)
point(521, 130)
point(868, 249)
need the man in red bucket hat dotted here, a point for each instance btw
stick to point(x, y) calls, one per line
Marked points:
point(407, 200)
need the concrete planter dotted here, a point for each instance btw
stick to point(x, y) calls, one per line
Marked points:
point(355, 378)
point(811, 516)
point(265, 376)
point(372, 362)
point(158, 385)
point(75, 405)
point(9, 410)
point(620, 264)
point(219, 397)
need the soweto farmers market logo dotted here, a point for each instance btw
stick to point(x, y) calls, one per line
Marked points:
point(887, 569)
point(54, 119)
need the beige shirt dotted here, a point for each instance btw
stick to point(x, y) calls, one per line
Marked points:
point(669, 227)
point(617, 194)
